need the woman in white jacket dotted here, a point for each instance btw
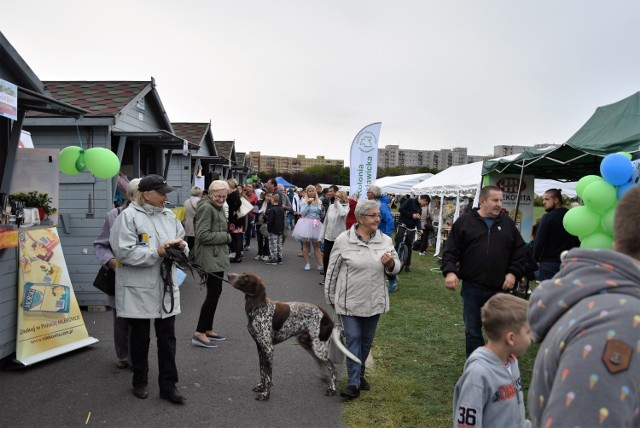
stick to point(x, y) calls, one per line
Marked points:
point(138, 238)
point(334, 222)
point(355, 286)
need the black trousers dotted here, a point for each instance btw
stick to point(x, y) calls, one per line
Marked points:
point(139, 350)
point(263, 243)
point(326, 254)
point(208, 310)
point(236, 245)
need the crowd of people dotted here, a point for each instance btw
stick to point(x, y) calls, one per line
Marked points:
point(216, 231)
point(353, 242)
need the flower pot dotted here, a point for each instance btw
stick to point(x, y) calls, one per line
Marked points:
point(41, 212)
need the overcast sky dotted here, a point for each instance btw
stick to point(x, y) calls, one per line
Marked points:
point(303, 77)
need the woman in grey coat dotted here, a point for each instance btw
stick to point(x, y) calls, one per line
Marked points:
point(138, 239)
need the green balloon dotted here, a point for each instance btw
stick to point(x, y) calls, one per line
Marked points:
point(581, 221)
point(626, 154)
point(607, 221)
point(599, 196)
point(599, 241)
point(249, 180)
point(68, 158)
point(80, 164)
point(102, 163)
point(584, 182)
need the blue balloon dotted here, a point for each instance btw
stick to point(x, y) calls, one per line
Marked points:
point(616, 169)
point(624, 188)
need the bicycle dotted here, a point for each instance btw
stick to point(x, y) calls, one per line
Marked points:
point(402, 248)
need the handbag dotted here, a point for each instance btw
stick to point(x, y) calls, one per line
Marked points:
point(106, 281)
point(245, 208)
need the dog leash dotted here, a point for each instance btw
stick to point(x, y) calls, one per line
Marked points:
point(221, 278)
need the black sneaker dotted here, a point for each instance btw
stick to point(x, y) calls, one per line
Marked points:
point(173, 396)
point(351, 391)
point(407, 269)
point(140, 392)
point(272, 263)
point(364, 385)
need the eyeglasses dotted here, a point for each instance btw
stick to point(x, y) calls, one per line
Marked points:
point(372, 215)
point(214, 196)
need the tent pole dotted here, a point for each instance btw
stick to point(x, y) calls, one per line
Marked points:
point(515, 213)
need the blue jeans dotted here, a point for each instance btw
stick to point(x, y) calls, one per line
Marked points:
point(473, 298)
point(359, 332)
point(548, 270)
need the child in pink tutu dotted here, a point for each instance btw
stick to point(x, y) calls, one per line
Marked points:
point(308, 228)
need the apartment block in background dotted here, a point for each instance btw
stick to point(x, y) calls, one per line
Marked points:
point(261, 162)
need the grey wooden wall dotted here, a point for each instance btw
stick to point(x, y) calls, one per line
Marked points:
point(179, 177)
point(77, 225)
point(8, 300)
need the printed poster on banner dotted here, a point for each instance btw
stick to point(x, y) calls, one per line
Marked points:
point(49, 319)
point(363, 161)
point(509, 185)
point(8, 100)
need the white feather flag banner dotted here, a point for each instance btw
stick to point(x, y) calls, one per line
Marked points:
point(363, 164)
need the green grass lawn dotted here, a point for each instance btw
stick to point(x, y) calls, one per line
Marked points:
point(419, 354)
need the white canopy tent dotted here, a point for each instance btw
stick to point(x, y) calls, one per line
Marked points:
point(451, 181)
point(401, 184)
point(465, 180)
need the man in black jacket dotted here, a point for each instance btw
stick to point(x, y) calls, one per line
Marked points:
point(552, 239)
point(409, 218)
point(486, 251)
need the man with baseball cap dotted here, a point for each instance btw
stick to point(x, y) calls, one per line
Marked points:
point(154, 182)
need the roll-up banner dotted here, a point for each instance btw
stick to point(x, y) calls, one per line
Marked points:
point(49, 319)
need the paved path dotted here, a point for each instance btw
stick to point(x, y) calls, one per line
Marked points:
point(85, 384)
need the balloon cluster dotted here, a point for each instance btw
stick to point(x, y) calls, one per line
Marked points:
point(593, 222)
point(101, 162)
point(253, 179)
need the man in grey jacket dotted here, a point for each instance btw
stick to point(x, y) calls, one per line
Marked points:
point(587, 371)
point(138, 238)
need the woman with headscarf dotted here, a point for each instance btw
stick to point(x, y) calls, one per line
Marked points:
point(189, 214)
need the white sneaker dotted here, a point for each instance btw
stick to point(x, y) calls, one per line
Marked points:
point(265, 258)
point(421, 254)
point(307, 266)
point(258, 257)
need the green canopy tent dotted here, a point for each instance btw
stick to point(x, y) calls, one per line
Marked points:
point(612, 128)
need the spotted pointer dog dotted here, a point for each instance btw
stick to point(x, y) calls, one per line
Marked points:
point(272, 322)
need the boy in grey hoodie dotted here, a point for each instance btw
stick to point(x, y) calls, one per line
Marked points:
point(489, 392)
point(587, 371)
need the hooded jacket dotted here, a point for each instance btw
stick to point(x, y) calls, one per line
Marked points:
point(387, 224)
point(487, 395)
point(481, 255)
point(135, 237)
point(212, 236)
point(587, 371)
point(355, 279)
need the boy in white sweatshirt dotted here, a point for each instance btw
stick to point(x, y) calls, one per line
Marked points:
point(489, 392)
